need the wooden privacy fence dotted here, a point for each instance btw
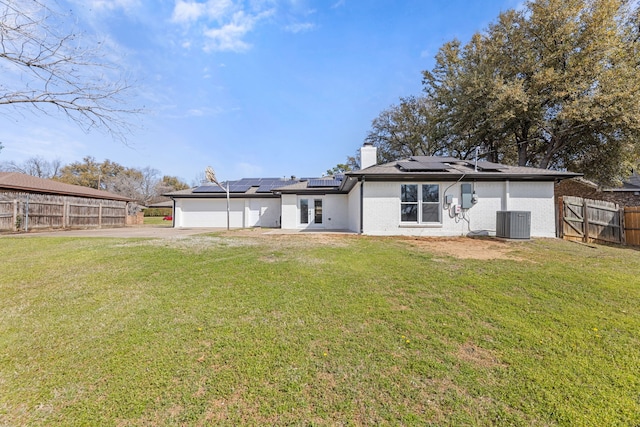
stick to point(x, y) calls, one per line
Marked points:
point(586, 220)
point(24, 212)
point(632, 225)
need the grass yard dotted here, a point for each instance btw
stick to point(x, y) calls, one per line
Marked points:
point(235, 329)
point(157, 220)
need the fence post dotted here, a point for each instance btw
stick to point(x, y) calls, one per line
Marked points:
point(623, 234)
point(560, 218)
point(100, 216)
point(26, 214)
point(15, 215)
point(585, 221)
point(65, 207)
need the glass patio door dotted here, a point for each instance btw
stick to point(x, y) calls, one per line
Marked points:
point(311, 212)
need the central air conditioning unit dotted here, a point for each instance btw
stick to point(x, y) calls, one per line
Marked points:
point(513, 224)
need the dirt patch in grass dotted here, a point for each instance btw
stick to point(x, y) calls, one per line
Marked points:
point(478, 356)
point(465, 247)
point(459, 247)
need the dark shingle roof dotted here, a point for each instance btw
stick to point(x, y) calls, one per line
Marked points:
point(633, 183)
point(262, 187)
point(448, 168)
point(31, 184)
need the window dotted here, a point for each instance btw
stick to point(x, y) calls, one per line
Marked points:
point(304, 211)
point(409, 203)
point(420, 203)
point(430, 203)
point(317, 204)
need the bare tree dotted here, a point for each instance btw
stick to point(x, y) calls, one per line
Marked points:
point(34, 166)
point(58, 72)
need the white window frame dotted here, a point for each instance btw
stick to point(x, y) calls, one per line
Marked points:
point(420, 203)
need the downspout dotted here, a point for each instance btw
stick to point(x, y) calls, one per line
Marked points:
point(362, 206)
point(173, 213)
point(507, 196)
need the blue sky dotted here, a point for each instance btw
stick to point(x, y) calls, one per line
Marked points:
point(257, 88)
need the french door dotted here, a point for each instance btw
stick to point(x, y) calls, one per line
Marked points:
point(311, 212)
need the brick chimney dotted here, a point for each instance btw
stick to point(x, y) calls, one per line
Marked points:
point(368, 155)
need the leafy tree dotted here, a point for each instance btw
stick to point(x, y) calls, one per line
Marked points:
point(350, 165)
point(173, 183)
point(142, 185)
point(404, 130)
point(51, 71)
point(90, 173)
point(553, 85)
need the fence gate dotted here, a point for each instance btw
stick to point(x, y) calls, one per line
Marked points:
point(587, 220)
point(632, 225)
point(572, 214)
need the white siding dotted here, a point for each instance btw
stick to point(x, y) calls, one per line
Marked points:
point(289, 211)
point(263, 213)
point(354, 209)
point(382, 208)
point(336, 211)
point(482, 217)
point(200, 213)
point(536, 197)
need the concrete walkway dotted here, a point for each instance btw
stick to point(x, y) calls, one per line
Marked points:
point(120, 232)
point(154, 231)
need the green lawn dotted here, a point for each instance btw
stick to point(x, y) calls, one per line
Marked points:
point(157, 220)
point(315, 330)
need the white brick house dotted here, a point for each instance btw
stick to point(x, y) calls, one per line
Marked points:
point(418, 196)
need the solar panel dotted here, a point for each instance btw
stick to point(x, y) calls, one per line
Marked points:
point(268, 185)
point(208, 189)
point(491, 166)
point(434, 159)
point(238, 188)
point(234, 187)
point(323, 183)
point(422, 167)
point(254, 182)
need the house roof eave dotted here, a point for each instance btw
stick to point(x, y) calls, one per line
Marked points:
point(474, 176)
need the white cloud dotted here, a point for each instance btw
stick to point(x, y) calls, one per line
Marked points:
point(172, 113)
point(226, 23)
point(338, 4)
point(113, 4)
point(217, 9)
point(229, 37)
point(300, 27)
point(187, 11)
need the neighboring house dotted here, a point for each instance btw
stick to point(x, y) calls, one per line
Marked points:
point(28, 202)
point(419, 196)
point(626, 195)
point(19, 182)
point(168, 204)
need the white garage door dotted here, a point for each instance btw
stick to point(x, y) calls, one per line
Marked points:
point(209, 213)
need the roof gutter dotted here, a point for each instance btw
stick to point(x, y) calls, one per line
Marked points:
point(486, 176)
